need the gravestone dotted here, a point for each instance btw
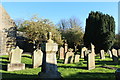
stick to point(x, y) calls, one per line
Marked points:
point(76, 59)
point(15, 61)
point(102, 55)
point(119, 52)
point(110, 54)
point(83, 52)
point(49, 63)
point(65, 46)
point(114, 55)
point(117, 74)
point(61, 53)
point(69, 57)
point(91, 58)
point(37, 58)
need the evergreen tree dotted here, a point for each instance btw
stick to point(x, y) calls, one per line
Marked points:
point(100, 30)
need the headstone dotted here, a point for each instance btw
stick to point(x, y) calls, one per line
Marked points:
point(69, 57)
point(15, 62)
point(102, 55)
point(83, 52)
point(110, 54)
point(118, 52)
point(114, 55)
point(65, 46)
point(91, 58)
point(49, 63)
point(61, 53)
point(76, 59)
point(37, 58)
point(117, 74)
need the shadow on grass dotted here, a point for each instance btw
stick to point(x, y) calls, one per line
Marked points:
point(11, 76)
point(29, 65)
point(73, 67)
point(106, 62)
point(91, 76)
point(26, 56)
point(4, 58)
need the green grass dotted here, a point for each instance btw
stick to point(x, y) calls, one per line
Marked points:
point(68, 71)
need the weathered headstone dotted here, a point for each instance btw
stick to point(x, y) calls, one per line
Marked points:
point(49, 64)
point(61, 53)
point(91, 58)
point(110, 54)
point(15, 62)
point(37, 58)
point(118, 52)
point(114, 55)
point(76, 59)
point(83, 52)
point(102, 55)
point(69, 57)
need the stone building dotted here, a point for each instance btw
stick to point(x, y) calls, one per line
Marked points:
point(7, 32)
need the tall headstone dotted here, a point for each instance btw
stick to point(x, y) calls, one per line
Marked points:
point(49, 64)
point(7, 32)
point(114, 55)
point(91, 58)
point(119, 52)
point(110, 54)
point(69, 57)
point(37, 58)
point(83, 52)
point(61, 53)
point(15, 62)
point(102, 55)
point(76, 59)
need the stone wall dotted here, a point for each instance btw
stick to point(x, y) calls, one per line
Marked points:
point(7, 32)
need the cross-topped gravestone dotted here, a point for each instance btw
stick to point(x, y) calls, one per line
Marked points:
point(37, 58)
point(49, 63)
point(102, 55)
point(15, 60)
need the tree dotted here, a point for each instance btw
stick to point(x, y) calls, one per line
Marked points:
point(72, 31)
point(36, 29)
point(100, 30)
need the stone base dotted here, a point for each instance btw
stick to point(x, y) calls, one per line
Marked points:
point(50, 75)
point(117, 74)
point(17, 66)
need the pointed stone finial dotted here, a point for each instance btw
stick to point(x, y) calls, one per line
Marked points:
point(50, 37)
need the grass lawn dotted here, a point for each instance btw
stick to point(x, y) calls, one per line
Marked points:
point(68, 71)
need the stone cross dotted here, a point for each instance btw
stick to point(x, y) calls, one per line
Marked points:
point(49, 63)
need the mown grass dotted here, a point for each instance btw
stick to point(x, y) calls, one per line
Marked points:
point(68, 71)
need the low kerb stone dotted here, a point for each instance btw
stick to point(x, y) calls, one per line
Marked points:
point(17, 66)
point(37, 58)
